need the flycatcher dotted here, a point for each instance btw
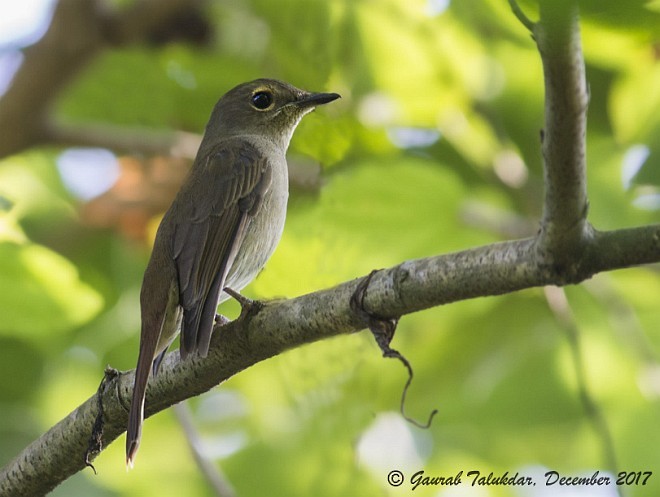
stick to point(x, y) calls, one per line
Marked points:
point(222, 227)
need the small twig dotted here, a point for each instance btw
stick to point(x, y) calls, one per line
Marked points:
point(211, 472)
point(525, 21)
point(391, 353)
point(560, 307)
point(383, 331)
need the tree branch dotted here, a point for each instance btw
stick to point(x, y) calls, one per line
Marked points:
point(49, 65)
point(79, 31)
point(281, 325)
point(517, 11)
point(304, 175)
point(557, 35)
point(178, 144)
point(215, 478)
point(560, 307)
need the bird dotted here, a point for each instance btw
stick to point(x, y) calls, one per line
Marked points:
point(222, 227)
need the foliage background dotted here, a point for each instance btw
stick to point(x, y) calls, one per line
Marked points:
point(433, 148)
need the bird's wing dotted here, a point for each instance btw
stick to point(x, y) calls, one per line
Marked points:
point(219, 200)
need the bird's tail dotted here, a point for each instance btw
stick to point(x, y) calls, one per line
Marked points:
point(136, 415)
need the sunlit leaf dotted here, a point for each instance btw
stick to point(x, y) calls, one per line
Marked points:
point(42, 292)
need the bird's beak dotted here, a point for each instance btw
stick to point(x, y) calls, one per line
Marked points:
point(314, 99)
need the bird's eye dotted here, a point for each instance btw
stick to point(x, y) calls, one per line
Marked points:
point(262, 100)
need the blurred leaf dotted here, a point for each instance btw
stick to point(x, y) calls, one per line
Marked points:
point(42, 292)
point(17, 355)
point(635, 117)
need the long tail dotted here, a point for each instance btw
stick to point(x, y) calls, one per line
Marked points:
point(161, 317)
point(136, 415)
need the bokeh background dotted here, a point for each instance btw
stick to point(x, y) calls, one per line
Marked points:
point(433, 148)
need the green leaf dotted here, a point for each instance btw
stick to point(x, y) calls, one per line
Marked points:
point(41, 292)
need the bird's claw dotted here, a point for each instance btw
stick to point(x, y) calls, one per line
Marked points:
point(248, 306)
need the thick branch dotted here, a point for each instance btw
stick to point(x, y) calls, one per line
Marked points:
point(78, 32)
point(70, 42)
point(178, 144)
point(564, 150)
point(280, 325)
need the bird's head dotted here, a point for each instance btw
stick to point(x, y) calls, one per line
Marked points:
point(264, 107)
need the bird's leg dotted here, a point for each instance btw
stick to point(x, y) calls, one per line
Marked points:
point(244, 301)
point(248, 306)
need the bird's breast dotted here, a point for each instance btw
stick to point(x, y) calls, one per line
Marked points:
point(264, 230)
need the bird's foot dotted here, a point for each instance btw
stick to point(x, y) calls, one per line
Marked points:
point(248, 306)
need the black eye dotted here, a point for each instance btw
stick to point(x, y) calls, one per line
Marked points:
point(262, 100)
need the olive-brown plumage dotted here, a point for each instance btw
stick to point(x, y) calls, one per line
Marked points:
point(221, 228)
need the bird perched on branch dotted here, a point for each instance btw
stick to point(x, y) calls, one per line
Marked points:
point(222, 227)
